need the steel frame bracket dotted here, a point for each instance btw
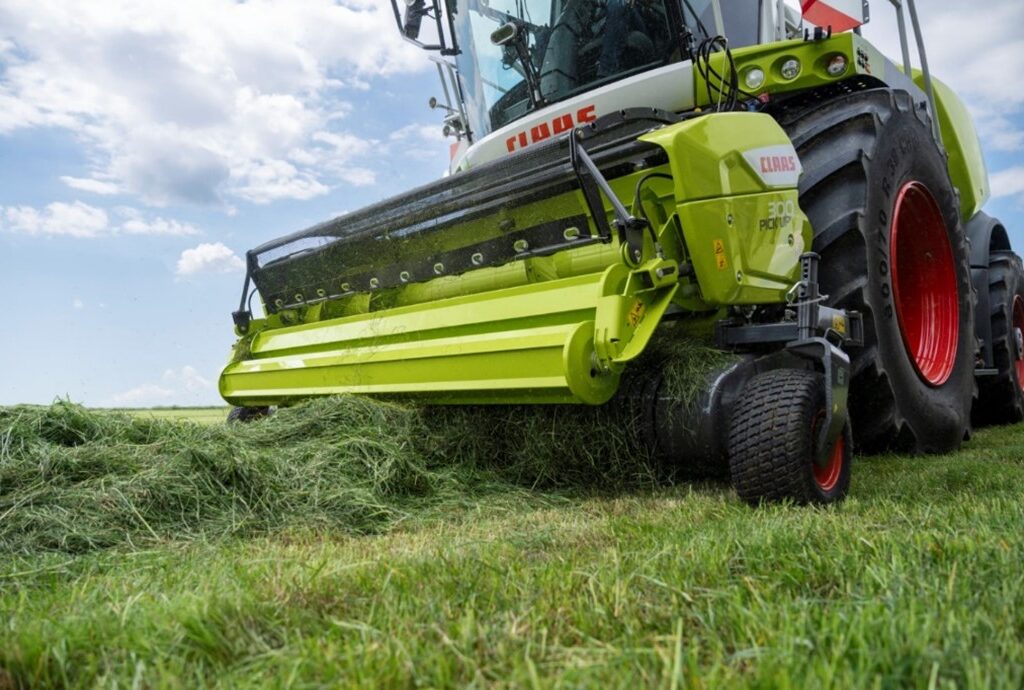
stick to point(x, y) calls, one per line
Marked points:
point(593, 184)
point(835, 365)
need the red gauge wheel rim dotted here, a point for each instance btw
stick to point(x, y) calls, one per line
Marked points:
point(827, 476)
point(924, 284)
point(1016, 332)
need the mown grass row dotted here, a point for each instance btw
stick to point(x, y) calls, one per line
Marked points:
point(75, 480)
point(914, 582)
point(364, 544)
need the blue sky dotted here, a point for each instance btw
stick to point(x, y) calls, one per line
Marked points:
point(145, 146)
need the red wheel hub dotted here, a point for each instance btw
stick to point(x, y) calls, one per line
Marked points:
point(827, 476)
point(924, 283)
point(1017, 339)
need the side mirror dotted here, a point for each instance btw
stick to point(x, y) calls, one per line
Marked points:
point(414, 11)
point(504, 34)
point(410, 20)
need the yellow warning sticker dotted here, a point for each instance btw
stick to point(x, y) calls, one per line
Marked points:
point(839, 324)
point(636, 314)
point(720, 259)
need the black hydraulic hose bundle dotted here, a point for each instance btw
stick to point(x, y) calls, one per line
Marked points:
point(723, 90)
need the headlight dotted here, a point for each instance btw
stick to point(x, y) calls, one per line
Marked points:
point(753, 79)
point(837, 66)
point(790, 69)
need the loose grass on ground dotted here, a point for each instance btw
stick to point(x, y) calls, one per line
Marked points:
point(487, 573)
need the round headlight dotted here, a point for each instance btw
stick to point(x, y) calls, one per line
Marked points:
point(790, 69)
point(837, 66)
point(754, 78)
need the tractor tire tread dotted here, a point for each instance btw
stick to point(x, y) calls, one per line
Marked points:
point(1000, 398)
point(771, 439)
point(843, 144)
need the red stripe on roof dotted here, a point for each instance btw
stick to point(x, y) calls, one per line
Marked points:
point(824, 15)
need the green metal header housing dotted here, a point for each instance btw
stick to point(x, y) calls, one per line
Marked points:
point(558, 328)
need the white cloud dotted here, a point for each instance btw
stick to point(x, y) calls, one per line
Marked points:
point(136, 224)
point(972, 60)
point(209, 258)
point(1009, 182)
point(187, 378)
point(90, 185)
point(425, 142)
point(358, 177)
point(185, 386)
point(81, 220)
point(420, 132)
point(58, 218)
point(146, 395)
point(77, 303)
point(265, 181)
point(999, 132)
point(199, 101)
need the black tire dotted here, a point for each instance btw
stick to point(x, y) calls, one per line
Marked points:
point(1000, 397)
point(667, 430)
point(244, 415)
point(860, 153)
point(772, 439)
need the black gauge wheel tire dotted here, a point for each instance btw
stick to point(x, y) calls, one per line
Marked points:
point(772, 441)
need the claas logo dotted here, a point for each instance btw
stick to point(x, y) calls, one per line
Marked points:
point(546, 130)
point(776, 164)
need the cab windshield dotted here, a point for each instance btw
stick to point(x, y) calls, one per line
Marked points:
point(572, 46)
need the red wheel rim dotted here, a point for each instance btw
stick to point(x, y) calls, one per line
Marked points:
point(1016, 333)
point(827, 476)
point(924, 284)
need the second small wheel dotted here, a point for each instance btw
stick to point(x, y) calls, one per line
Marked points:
point(1001, 397)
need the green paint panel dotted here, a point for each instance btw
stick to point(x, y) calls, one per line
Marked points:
point(744, 242)
point(739, 262)
point(462, 350)
point(966, 162)
point(813, 56)
point(556, 329)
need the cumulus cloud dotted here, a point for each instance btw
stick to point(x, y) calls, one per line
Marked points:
point(71, 220)
point(421, 141)
point(87, 184)
point(146, 395)
point(419, 132)
point(209, 257)
point(974, 63)
point(136, 224)
point(188, 379)
point(265, 181)
point(184, 386)
point(81, 220)
point(1009, 182)
point(200, 101)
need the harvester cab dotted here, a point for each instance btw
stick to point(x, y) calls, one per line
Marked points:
point(628, 178)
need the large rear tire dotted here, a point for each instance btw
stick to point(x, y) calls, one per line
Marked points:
point(886, 224)
point(1001, 397)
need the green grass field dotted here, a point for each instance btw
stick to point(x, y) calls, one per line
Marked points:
point(200, 415)
point(479, 578)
